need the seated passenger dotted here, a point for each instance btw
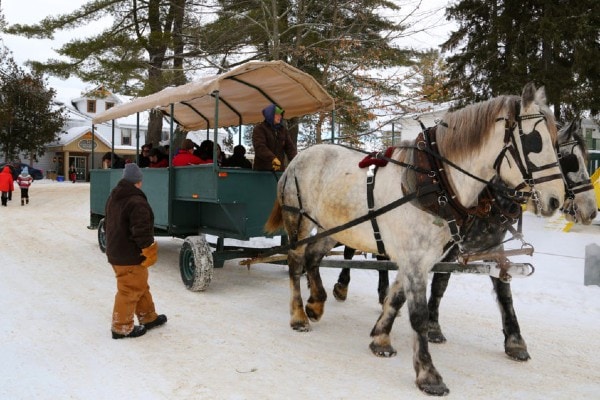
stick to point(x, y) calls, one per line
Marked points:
point(158, 159)
point(184, 156)
point(117, 162)
point(238, 159)
point(205, 152)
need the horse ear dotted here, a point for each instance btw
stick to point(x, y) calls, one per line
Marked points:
point(540, 96)
point(528, 95)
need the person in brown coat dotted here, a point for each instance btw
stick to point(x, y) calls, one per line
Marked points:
point(272, 141)
point(131, 249)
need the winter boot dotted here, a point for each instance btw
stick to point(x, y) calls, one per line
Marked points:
point(160, 320)
point(22, 202)
point(27, 200)
point(4, 201)
point(138, 330)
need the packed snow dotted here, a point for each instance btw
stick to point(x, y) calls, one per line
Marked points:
point(233, 341)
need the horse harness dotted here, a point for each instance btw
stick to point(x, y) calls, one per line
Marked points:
point(434, 192)
point(570, 163)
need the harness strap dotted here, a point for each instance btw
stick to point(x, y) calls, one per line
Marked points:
point(299, 210)
point(371, 205)
point(423, 191)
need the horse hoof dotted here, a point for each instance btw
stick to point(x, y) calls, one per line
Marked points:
point(300, 326)
point(439, 389)
point(382, 351)
point(517, 354)
point(340, 292)
point(314, 312)
point(516, 348)
point(434, 333)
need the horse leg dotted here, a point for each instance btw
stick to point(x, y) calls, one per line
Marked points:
point(383, 285)
point(315, 305)
point(384, 282)
point(514, 344)
point(299, 320)
point(439, 283)
point(414, 283)
point(340, 289)
point(381, 344)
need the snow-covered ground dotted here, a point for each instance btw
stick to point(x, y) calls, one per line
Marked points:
point(233, 341)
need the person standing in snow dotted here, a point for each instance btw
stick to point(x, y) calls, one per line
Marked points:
point(24, 180)
point(131, 249)
point(272, 141)
point(7, 184)
point(72, 173)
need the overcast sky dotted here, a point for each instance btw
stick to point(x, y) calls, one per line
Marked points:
point(33, 11)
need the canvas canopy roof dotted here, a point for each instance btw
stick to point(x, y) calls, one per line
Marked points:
point(243, 93)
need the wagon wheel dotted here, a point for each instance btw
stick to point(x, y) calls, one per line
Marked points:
point(196, 263)
point(102, 236)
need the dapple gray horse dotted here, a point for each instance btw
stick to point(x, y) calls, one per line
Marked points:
point(509, 137)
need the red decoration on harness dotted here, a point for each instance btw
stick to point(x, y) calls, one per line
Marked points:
point(374, 158)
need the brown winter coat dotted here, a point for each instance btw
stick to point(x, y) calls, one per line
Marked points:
point(269, 143)
point(129, 224)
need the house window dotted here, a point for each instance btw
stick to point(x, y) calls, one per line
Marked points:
point(108, 105)
point(91, 106)
point(126, 137)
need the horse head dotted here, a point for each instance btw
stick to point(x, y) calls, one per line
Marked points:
point(580, 201)
point(530, 134)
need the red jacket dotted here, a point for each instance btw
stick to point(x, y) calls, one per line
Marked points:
point(7, 184)
point(184, 157)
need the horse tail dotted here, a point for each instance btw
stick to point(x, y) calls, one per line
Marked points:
point(275, 221)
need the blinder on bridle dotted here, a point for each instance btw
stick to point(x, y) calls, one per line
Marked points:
point(531, 142)
point(570, 163)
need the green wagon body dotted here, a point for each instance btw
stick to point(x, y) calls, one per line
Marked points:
point(228, 203)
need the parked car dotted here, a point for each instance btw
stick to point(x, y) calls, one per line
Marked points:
point(16, 168)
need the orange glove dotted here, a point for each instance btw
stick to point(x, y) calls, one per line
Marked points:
point(151, 254)
point(276, 164)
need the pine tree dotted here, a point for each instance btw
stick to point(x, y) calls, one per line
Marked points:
point(499, 46)
point(29, 117)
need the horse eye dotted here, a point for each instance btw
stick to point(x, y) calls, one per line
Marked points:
point(532, 142)
point(569, 163)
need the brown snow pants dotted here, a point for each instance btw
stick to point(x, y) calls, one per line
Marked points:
point(133, 297)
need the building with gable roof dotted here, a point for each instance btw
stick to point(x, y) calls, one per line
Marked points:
point(74, 146)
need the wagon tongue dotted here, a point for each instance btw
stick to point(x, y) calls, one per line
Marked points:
point(500, 257)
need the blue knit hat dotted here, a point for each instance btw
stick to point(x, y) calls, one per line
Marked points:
point(25, 171)
point(132, 173)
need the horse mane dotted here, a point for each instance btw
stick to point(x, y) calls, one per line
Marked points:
point(465, 129)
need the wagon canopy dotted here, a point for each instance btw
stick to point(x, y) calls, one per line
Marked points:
point(243, 93)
